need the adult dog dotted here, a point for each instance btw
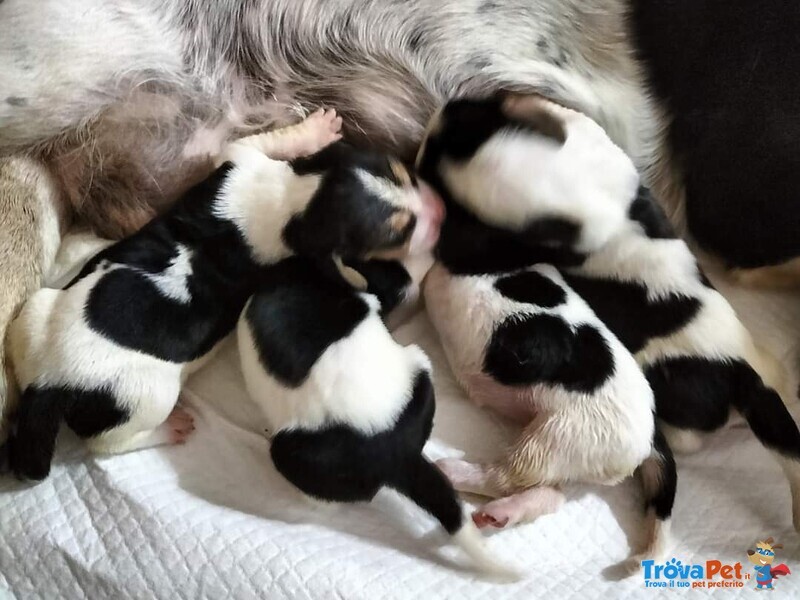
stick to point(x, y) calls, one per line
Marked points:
point(108, 110)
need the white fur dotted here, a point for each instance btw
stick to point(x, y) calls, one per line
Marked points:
point(173, 282)
point(667, 266)
point(364, 380)
point(601, 437)
point(260, 195)
point(51, 343)
point(588, 180)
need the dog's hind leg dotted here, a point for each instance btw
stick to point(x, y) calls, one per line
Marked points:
point(31, 218)
point(154, 420)
point(659, 477)
point(524, 506)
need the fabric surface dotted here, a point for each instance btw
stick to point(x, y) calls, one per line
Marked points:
point(212, 518)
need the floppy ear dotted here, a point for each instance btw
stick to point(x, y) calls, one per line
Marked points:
point(777, 546)
point(350, 275)
point(751, 552)
point(334, 269)
point(768, 540)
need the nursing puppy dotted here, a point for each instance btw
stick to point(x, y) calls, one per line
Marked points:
point(349, 409)
point(641, 281)
point(518, 338)
point(107, 355)
point(701, 362)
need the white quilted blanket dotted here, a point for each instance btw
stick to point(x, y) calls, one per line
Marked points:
point(212, 519)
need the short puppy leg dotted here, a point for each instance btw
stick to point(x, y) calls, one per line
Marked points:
point(523, 467)
point(177, 427)
point(518, 508)
point(313, 134)
point(467, 477)
point(659, 477)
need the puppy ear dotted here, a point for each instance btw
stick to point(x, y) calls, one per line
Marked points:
point(334, 269)
point(350, 275)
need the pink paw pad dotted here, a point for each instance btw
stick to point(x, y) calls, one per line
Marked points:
point(483, 519)
point(522, 507)
point(180, 424)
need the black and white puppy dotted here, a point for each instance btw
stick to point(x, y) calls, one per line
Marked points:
point(701, 362)
point(641, 281)
point(108, 354)
point(349, 409)
point(517, 337)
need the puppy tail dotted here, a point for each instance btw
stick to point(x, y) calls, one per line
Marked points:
point(33, 438)
point(770, 421)
point(659, 479)
point(427, 486)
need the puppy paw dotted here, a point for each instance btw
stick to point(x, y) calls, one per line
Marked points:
point(483, 519)
point(180, 425)
point(520, 508)
point(319, 130)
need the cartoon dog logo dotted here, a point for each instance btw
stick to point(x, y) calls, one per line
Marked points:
point(762, 557)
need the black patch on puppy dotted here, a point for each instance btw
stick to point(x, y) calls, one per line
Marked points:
point(662, 498)
point(339, 463)
point(287, 340)
point(692, 392)
point(645, 211)
point(388, 280)
point(551, 231)
point(344, 217)
point(129, 309)
point(466, 244)
point(530, 349)
point(32, 443)
point(466, 124)
point(16, 101)
point(530, 287)
point(469, 247)
point(698, 393)
point(190, 221)
point(627, 311)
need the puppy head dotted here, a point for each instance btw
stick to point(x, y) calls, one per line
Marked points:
point(532, 167)
point(368, 205)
